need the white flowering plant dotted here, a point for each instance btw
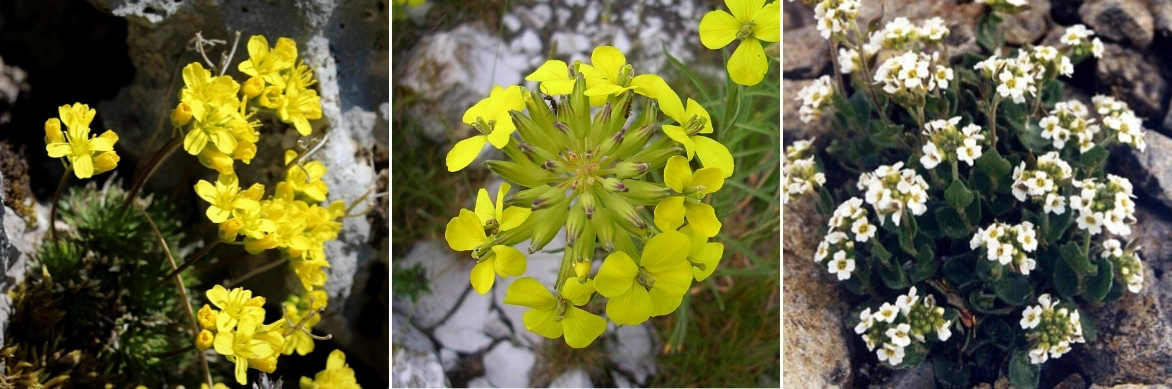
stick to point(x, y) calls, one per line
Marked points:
point(971, 209)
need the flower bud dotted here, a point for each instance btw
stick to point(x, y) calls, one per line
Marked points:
point(549, 222)
point(575, 223)
point(207, 317)
point(525, 197)
point(272, 98)
point(630, 168)
point(636, 140)
point(644, 193)
point(551, 197)
point(253, 86)
point(605, 230)
point(204, 340)
point(181, 115)
point(53, 132)
point(541, 136)
point(582, 268)
point(106, 161)
point(624, 213)
point(524, 174)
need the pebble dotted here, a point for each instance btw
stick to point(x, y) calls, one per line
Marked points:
point(632, 349)
point(507, 365)
point(447, 276)
point(464, 330)
point(574, 378)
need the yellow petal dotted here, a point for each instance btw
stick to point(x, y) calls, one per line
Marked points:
point(631, 308)
point(669, 213)
point(58, 150)
point(501, 131)
point(195, 141)
point(604, 89)
point(694, 110)
point(577, 291)
point(710, 257)
point(662, 301)
point(702, 217)
point(501, 192)
point(666, 251)
point(465, 232)
point(483, 276)
point(714, 154)
point(509, 261)
point(748, 65)
point(542, 322)
point(767, 24)
point(464, 152)
point(581, 327)
point(677, 134)
point(609, 60)
point(223, 342)
point(528, 292)
point(83, 166)
point(744, 10)
point(513, 217)
point(712, 179)
point(677, 175)
point(484, 209)
point(550, 70)
point(718, 29)
point(105, 142)
point(617, 275)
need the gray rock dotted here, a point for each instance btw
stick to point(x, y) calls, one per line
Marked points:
point(1073, 381)
point(621, 381)
point(512, 23)
point(508, 365)
point(447, 273)
point(813, 307)
point(1134, 344)
point(1150, 232)
point(921, 377)
point(13, 81)
point(1152, 175)
point(574, 378)
point(495, 327)
point(417, 369)
point(479, 382)
point(805, 53)
point(407, 336)
point(794, 128)
point(449, 359)
point(1135, 77)
point(1162, 16)
point(633, 350)
point(463, 331)
point(1119, 20)
point(1026, 27)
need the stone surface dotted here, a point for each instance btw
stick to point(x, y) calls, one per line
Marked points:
point(449, 359)
point(13, 82)
point(441, 267)
point(1119, 20)
point(1026, 27)
point(407, 336)
point(633, 350)
point(494, 326)
point(816, 352)
point(417, 369)
point(794, 128)
point(1162, 16)
point(620, 381)
point(1134, 78)
point(574, 378)
point(1150, 171)
point(508, 365)
point(805, 53)
point(922, 377)
point(1074, 381)
point(1151, 232)
point(1134, 344)
point(463, 331)
point(479, 382)
point(1131, 386)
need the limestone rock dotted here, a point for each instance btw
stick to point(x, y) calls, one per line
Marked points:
point(1150, 232)
point(806, 53)
point(632, 349)
point(508, 366)
point(417, 369)
point(1119, 20)
point(1135, 78)
point(1026, 27)
point(1131, 386)
point(1162, 16)
point(574, 378)
point(1151, 172)
point(816, 354)
point(463, 331)
point(448, 277)
point(1134, 343)
point(921, 377)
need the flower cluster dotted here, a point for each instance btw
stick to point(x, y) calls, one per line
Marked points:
point(1100, 204)
point(1078, 39)
point(834, 17)
point(303, 310)
point(751, 22)
point(849, 221)
point(337, 375)
point(1016, 77)
point(238, 332)
point(891, 329)
point(1069, 118)
point(890, 189)
point(1008, 244)
point(900, 33)
point(814, 97)
point(1119, 121)
point(585, 169)
point(1005, 6)
point(86, 155)
point(1051, 331)
point(943, 135)
point(1043, 182)
point(1127, 261)
point(912, 73)
point(800, 174)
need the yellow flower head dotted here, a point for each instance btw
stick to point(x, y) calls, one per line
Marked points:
point(751, 21)
point(268, 64)
point(235, 305)
point(494, 112)
point(653, 287)
point(337, 375)
point(300, 105)
point(225, 197)
point(204, 340)
point(250, 341)
point(305, 179)
point(553, 317)
point(202, 92)
point(671, 212)
point(87, 156)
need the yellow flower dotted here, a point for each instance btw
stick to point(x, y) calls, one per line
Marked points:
point(204, 340)
point(704, 255)
point(76, 145)
point(268, 64)
point(295, 309)
point(337, 375)
point(494, 112)
point(207, 317)
point(235, 305)
point(306, 179)
point(671, 212)
point(751, 21)
point(553, 317)
point(202, 92)
point(555, 78)
point(225, 197)
point(653, 287)
point(466, 232)
point(309, 270)
point(250, 341)
point(215, 125)
point(693, 122)
point(300, 105)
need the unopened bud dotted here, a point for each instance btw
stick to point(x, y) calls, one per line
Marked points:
point(253, 87)
point(549, 222)
point(53, 132)
point(524, 198)
point(582, 268)
point(635, 140)
point(629, 169)
point(523, 173)
point(181, 115)
point(551, 197)
point(645, 193)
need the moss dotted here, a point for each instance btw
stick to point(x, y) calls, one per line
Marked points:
point(17, 192)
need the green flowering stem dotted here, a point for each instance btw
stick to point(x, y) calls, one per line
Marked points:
point(53, 204)
point(735, 96)
point(1086, 244)
point(182, 292)
point(992, 115)
point(259, 270)
point(151, 166)
point(867, 75)
point(189, 262)
point(566, 269)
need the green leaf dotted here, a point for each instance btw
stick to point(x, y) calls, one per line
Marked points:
point(907, 234)
point(925, 266)
point(1117, 291)
point(1100, 284)
point(981, 301)
point(1073, 255)
point(950, 373)
point(1089, 331)
point(879, 251)
point(951, 223)
point(1058, 225)
point(1095, 158)
point(1022, 373)
point(1013, 289)
point(987, 270)
point(958, 270)
point(1002, 205)
point(987, 32)
point(892, 275)
point(995, 168)
point(1030, 136)
point(885, 136)
point(1065, 279)
point(958, 195)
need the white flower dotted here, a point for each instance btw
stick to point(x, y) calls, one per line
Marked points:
point(848, 60)
point(814, 97)
point(1097, 48)
point(1046, 302)
point(931, 156)
point(863, 230)
point(887, 313)
point(899, 335)
point(1054, 204)
point(1038, 356)
point(933, 30)
point(822, 252)
point(944, 331)
point(1091, 222)
point(891, 353)
point(905, 302)
point(1031, 317)
point(865, 321)
point(1075, 34)
point(1061, 348)
point(969, 152)
point(1112, 248)
point(841, 266)
point(1027, 265)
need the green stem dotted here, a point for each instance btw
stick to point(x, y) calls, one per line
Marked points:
point(992, 114)
point(189, 262)
point(53, 205)
point(867, 76)
point(151, 166)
